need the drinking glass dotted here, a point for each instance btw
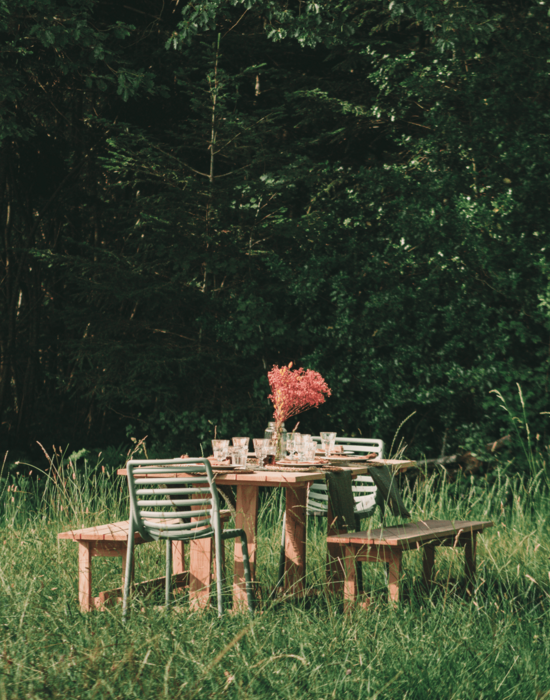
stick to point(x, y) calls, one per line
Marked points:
point(305, 439)
point(299, 447)
point(327, 442)
point(238, 456)
point(310, 451)
point(260, 450)
point(219, 449)
point(306, 448)
point(290, 445)
point(240, 442)
point(270, 450)
point(293, 444)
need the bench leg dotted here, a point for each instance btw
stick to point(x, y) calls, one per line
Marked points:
point(428, 558)
point(85, 576)
point(470, 547)
point(178, 557)
point(200, 567)
point(394, 561)
point(350, 578)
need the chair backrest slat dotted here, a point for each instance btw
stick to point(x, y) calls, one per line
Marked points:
point(178, 502)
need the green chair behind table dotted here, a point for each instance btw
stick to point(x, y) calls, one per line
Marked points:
point(364, 489)
point(161, 509)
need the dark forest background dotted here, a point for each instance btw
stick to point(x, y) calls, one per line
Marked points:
point(193, 192)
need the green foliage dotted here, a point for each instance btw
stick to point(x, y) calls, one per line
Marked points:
point(498, 647)
point(359, 189)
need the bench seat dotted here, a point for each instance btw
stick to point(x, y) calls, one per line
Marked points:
point(111, 540)
point(387, 544)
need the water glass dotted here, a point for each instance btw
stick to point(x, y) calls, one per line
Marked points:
point(305, 448)
point(241, 442)
point(238, 456)
point(309, 451)
point(299, 443)
point(291, 445)
point(305, 439)
point(219, 449)
point(327, 442)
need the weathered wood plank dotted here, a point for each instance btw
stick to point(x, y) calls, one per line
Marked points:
point(247, 520)
point(84, 576)
point(106, 598)
point(295, 539)
point(411, 533)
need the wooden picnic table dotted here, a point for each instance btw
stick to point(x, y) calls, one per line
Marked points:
point(248, 485)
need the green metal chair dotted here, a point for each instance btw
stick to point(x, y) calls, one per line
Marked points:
point(364, 489)
point(160, 509)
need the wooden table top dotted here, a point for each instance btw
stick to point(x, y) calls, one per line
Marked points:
point(279, 478)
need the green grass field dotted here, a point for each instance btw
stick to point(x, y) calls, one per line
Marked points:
point(494, 643)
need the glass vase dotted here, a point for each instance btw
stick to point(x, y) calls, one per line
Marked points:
point(277, 432)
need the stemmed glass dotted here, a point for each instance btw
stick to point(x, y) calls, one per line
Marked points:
point(260, 447)
point(327, 442)
point(271, 450)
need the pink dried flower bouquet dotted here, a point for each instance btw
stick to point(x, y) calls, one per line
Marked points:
point(295, 391)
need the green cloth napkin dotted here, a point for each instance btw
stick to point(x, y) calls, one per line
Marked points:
point(388, 493)
point(343, 504)
point(341, 500)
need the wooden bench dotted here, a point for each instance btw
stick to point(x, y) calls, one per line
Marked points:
point(111, 540)
point(388, 544)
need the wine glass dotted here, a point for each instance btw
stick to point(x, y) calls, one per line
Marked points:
point(260, 450)
point(327, 442)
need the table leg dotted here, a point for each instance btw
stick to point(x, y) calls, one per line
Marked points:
point(246, 518)
point(295, 539)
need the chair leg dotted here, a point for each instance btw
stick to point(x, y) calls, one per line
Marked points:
point(218, 563)
point(282, 557)
point(168, 573)
point(129, 570)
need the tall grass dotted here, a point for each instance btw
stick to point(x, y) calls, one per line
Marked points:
point(491, 642)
